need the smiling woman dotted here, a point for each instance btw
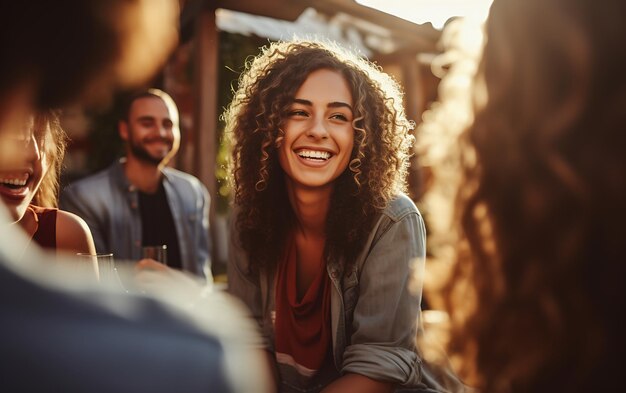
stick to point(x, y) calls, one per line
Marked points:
point(324, 240)
point(318, 135)
point(29, 185)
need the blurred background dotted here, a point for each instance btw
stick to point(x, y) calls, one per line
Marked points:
point(419, 42)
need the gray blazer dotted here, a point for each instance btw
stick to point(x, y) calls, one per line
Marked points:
point(374, 315)
point(109, 205)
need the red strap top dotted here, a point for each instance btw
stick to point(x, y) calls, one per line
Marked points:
point(46, 233)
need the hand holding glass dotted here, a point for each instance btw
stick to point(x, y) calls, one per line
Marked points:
point(158, 253)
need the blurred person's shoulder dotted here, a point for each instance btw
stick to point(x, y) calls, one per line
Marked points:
point(228, 320)
point(100, 188)
point(119, 342)
point(98, 179)
point(182, 178)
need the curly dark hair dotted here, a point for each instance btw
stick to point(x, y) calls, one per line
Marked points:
point(378, 164)
point(538, 291)
point(52, 141)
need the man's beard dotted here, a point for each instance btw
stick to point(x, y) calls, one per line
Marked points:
point(142, 154)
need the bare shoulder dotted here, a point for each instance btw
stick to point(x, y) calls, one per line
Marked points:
point(73, 234)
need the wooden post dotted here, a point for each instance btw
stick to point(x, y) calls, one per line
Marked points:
point(207, 49)
point(414, 103)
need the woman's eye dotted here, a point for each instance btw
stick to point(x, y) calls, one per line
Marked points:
point(298, 113)
point(339, 116)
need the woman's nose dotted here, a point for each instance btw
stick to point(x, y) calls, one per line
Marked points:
point(32, 150)
point(317, 129)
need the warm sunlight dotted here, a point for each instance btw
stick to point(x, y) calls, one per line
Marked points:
point(436, 12)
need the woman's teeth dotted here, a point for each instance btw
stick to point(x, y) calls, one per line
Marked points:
point(314, 154)
point(14, 183)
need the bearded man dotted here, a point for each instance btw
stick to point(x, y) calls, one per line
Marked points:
point(138, 201)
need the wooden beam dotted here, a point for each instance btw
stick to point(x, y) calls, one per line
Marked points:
point(278, 9)
point(397, 25)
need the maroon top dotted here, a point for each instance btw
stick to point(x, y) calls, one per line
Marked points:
point(46, 233)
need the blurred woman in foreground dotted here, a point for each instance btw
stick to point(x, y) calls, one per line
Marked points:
point(541, 208)
point(29, 185)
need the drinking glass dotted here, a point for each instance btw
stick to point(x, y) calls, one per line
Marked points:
point(158, 253)
point(106, 271)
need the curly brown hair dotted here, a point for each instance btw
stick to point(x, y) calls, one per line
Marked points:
point(538, 291)
point(379, 160)
point(52, 141)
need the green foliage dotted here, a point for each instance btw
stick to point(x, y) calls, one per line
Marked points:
point(234, 50)
point(105, 144)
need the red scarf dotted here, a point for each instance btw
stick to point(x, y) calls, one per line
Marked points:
point(302, 329)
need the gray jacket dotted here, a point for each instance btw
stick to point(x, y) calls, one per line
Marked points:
point(109, 204)
point(374, 314)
